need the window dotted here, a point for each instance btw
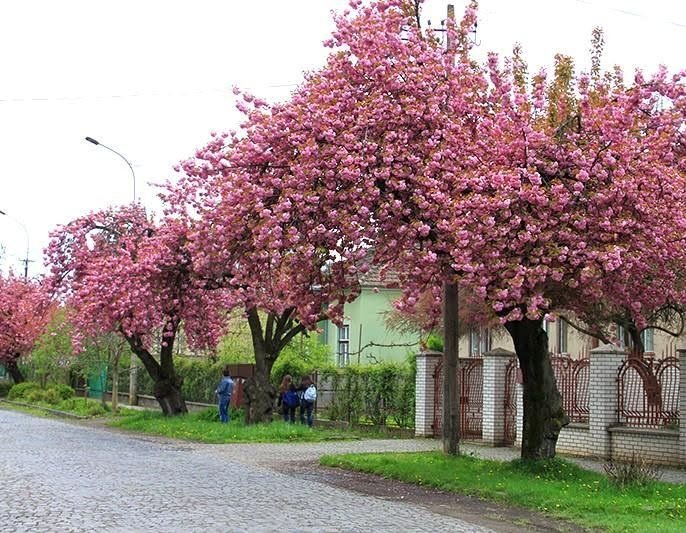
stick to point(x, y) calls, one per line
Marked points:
point(479, 342)
point(561, 336)
point(647, 336)
point(344, 345)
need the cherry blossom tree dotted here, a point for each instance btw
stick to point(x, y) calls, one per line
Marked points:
point(535, 193)
point(25, 311)
point(120, 271)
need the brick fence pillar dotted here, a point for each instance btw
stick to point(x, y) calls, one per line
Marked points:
point(603, 404)
point(682, 403)
point(424, 393)
point(519, 400)
point(495, 366)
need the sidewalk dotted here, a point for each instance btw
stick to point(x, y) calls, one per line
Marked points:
point(273, 454)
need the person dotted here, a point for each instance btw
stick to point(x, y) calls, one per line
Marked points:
point(308, 396)
point(224, 391)
point(286, 382)
point(291, 400)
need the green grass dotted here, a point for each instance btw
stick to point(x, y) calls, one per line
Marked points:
point(202, 427)
point(555, 487)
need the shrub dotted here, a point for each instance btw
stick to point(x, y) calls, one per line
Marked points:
point(64, 391)
point(20, 390)
point(434, 342)
point(636, 472)
point(373, 394)
point(302, 356)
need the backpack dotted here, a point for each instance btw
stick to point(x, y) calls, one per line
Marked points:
point(290, 399)
point(310, 394)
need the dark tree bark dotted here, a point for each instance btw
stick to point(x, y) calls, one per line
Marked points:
point(451, 385)
point(543, 413)
point(167, 384)
point(14, 371)
point(267, 342)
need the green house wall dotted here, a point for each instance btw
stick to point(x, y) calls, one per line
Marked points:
point(365, 316)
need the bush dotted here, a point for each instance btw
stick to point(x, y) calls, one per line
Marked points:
point(64, 391)
point(31, 392)
point(434, 342)
point(20, 390)
point(373, 394)
point(304, 355)
point(635, 473)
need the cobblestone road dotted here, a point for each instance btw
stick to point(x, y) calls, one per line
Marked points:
point(57, 476)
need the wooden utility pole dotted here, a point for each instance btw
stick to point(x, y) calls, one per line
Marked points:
point(451, 338)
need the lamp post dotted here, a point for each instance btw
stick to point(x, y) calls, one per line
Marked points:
point(133, 369)
point(26, 233)
point(133, 174)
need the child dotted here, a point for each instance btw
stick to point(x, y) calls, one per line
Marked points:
point(291, 400)
point(309, 395)
point(286, 383)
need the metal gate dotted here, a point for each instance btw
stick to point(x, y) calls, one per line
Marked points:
point(510, 426)
point(470, 375)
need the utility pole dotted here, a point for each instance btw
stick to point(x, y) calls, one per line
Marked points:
point(451, 338)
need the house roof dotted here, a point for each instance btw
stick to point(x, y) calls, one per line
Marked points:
point(373, 278)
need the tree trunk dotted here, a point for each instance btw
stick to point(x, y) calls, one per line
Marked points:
point(115, 381)
point(14, 371)
point(543, 413)
point(168, 394)
point(167, 384)
point(451, 385)
point(259, 393)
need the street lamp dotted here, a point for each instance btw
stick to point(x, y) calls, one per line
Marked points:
point(26, 233)
point(133, 369)
point(133, 174)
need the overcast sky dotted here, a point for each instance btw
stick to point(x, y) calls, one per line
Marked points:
point(152, 79)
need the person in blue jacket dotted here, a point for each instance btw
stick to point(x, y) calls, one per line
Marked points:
point(223, 392)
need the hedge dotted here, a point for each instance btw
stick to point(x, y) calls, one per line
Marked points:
point(376, 394)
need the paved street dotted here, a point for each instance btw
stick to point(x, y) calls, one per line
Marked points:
point(58, 476)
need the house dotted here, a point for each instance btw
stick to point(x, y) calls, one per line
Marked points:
point(364, 337)
point(563, 339)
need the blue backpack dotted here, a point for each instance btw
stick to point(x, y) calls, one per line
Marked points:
point(291, 399)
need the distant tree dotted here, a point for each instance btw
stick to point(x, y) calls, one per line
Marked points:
point(25, 310)
point(122, 272)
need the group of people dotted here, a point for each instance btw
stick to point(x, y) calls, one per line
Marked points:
point(290, 398)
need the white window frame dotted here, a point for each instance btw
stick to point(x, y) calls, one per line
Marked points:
point(343, 347)
point(648, 338)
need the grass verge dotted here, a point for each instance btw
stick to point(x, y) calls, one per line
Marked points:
point(554, 487)
point(202, 426)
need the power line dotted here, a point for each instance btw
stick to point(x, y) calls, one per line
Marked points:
point(632, 13)
point(81, 98)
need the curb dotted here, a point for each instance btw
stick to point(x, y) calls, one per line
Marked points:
point(46, 409)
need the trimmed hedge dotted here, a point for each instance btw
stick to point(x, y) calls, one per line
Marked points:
point(378, 394)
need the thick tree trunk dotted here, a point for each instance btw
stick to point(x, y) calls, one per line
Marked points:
point(543, 413)
point(451, 385)
point(259, 393)
point(168, 394)
point(267, 343)
point(14, 371)
point(167, 384)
